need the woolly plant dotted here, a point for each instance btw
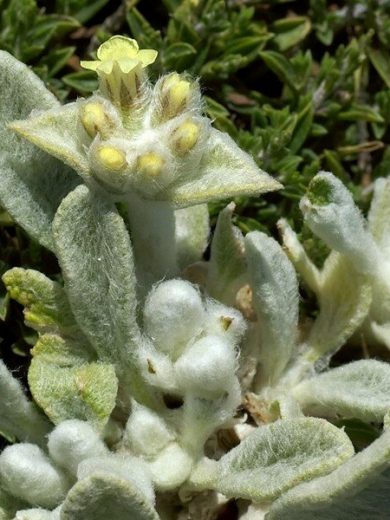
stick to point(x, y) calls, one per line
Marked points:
point(147, 355)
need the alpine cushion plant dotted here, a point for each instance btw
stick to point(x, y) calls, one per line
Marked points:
point(137, 369)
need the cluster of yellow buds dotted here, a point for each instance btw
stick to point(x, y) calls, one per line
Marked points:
point(140, 137)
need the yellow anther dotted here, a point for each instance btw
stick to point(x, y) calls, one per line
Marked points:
point(94, 118)
point(111, 158)
point(185, 137)
point(150, 164)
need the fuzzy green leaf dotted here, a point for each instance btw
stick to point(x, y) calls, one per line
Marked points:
point(227, 264)
point(360, 389)
point(57, 132)
point(359, 489)
point(99, 496)
point(344, 298)
point(68, 383)
point(275, 296)
point(32, 183)
point(224, 172)
point(95, 254)
point(276, 457)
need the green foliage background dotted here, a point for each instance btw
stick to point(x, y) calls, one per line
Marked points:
point(302, 85)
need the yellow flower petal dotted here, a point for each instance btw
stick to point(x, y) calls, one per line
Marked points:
point(126, 65)
point(90, 65)
point(147, 56)
point(118, 47)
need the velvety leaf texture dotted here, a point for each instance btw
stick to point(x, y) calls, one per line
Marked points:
point(99, 497)
point(358, 489)
point(95, 254)
point(32, 183)
point(276, 457)
point(360, 389)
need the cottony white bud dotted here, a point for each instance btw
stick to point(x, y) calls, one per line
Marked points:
point(171, 468)
point(124, 467)
point(224, 321)
point(173, 315)
point(28, 474)
point(73, 441)
point(109, 164)
point(146, 433)
point(207, 368)
point(38, 514)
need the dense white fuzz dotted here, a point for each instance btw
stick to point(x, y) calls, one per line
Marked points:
point(207, 368)
point(171, 468)
point(224, 321)
point(330, 212)
point(28, 474)
point(73, 441)
point(124, 467)
point(173, 315)
point(38, 514)
point(146, 433)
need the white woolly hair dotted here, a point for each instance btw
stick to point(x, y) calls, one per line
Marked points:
point(73, 441)
point(146, 432)
point(207, 368)
point(28, 474)
point(173, 316)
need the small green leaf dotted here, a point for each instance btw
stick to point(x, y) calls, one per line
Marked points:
point(46, 304)
point(290, 31)
point(225, 277)
point(68, 384)
point(380, 58)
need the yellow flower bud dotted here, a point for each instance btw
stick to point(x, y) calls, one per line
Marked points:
point(150, 164)
point(111, 158)
point(95, 119)
point(185, 137)
point(176, 92)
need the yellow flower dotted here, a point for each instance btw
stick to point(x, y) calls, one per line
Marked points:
point(122, 51)
point(120, 67)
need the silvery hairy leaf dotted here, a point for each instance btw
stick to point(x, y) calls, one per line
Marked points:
point(357, 489)
point(275, 296)
point(32, 183)
point(275, 458)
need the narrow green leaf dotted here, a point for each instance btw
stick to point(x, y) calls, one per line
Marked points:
point(275, 297)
